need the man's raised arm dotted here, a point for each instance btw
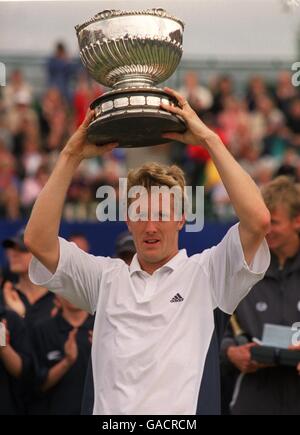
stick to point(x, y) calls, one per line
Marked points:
point(244, 194)
point(41, 234)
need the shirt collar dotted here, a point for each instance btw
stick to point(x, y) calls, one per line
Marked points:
point(171, 264)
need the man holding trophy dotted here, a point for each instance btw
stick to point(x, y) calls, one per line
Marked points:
point(158, 321)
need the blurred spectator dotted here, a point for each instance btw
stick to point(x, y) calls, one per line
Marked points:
point(60, 70)
point(249, 159)
point(32, 186)
point(222, 89)
point(62, 350)
point(266, 112)
point(32, 156)
point(9, 200)
point(113, 167)
point(232, 116)
point(276, 140)
point(21, 119)
point(264, 171)
point(15, 87)
point(81, 204)
point(54, 120)
point(285, 91)
point(86, 91)
point(199, 96)
point(289, 164)
point(257, 88)
point(30, 301)
point(293, 116)
point(15, 360)
point(81, 198)
point(6, 138)
point(221, 207)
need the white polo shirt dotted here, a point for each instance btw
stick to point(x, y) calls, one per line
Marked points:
point(152, 332)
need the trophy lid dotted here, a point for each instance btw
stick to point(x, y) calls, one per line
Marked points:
point(112, 13)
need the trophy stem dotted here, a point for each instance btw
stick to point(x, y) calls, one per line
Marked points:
point(134, 81)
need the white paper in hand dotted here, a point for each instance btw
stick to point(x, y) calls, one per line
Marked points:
point(2, 334)
point(277, 336)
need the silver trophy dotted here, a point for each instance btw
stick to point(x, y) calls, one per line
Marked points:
point(131, 51)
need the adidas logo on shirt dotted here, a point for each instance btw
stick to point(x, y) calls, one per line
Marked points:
point(177, 298)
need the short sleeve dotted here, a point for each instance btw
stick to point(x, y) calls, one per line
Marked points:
point(77, 277)
point(230, 277)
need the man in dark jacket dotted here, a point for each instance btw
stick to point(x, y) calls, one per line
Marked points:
point(62, 350)
point(14, 362)
point(276, 300)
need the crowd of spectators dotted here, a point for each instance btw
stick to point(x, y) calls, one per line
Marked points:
point(261, 128)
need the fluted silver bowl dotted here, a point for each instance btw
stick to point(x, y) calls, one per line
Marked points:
point(124, 49)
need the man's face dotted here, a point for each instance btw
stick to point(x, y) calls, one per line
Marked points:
point(18, 260)
point(283, 229)
point(156, 240)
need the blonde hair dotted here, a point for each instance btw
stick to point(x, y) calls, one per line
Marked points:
point(283, 191)
point(155, 174)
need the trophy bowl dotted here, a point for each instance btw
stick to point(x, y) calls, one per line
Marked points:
point(131, 52)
